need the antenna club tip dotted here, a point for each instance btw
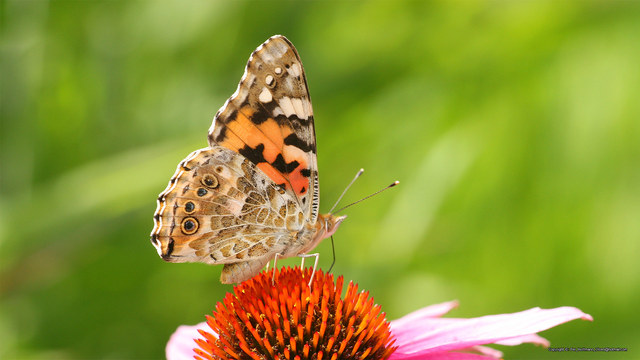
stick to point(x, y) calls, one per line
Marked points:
point(395, 183)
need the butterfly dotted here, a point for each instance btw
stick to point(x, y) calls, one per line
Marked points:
point(253, 192)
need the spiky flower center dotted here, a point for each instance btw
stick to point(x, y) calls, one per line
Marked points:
point(288, 319)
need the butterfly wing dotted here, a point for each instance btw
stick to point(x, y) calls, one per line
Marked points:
point(269, 121)
point(220, 209)
point(254, 191)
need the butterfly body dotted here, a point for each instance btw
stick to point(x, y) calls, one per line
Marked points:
point(253, 192)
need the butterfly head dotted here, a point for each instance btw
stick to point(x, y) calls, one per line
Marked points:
point(331, 223)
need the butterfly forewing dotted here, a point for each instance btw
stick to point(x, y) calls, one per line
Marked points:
point(269, 121)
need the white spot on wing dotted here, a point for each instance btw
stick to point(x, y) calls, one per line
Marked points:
point(287, 106)
point(278, 48)
point(299, 109)
point(295, 69)
point(268, 80)
point(241, 95)
point(278, 70)
point(307, 107)
point(265, 96)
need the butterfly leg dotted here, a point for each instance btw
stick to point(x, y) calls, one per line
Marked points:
point(275, 262)
point(315, 264)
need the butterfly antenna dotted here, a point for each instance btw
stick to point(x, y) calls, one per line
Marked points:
point(366, 197)
point(347, 188)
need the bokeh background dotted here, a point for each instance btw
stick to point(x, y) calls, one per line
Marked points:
point(514, 128)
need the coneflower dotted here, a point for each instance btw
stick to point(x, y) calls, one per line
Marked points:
point(288, 319)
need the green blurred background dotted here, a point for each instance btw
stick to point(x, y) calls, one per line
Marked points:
point(513, 128)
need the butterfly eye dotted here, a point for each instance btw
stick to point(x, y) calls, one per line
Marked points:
point(201, 192)
point(209, 181)
point(189, 225)
point(189, 207)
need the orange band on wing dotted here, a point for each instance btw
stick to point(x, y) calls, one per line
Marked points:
point(273, 174)
point(299, 182)
point(266, 142)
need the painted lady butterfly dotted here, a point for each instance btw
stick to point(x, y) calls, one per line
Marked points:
point(253, 193)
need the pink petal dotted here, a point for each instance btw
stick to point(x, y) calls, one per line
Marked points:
point(408, 330)
point(436, 310)
point(418, 317)
point(181, 343)
point(506, 328)
point(474, 350)
point(531, 338)
point(440, 356)
point(484, 350)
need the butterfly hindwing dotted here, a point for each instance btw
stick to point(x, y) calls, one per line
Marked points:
point(219, 208)
point(269, 121)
